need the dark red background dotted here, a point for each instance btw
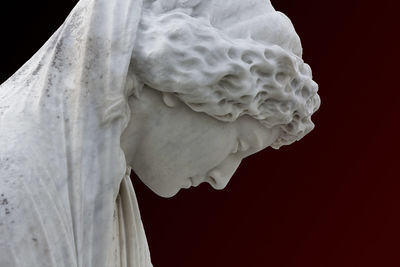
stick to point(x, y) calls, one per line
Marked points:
point(331, 199)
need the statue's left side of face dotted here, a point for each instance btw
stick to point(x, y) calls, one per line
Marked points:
point(170, 147)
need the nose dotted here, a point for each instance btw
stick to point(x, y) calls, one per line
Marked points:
point(221, 175)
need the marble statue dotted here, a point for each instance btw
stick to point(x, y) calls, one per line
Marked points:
point(178, 90)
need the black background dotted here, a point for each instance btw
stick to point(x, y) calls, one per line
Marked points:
point(331, 199)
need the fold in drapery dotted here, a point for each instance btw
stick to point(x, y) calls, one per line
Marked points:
point(131, 251)
point(61, 165)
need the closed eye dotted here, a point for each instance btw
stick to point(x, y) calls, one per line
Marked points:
point(236, 148)
point(240, 146)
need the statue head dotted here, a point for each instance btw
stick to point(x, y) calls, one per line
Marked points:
point(210, 90)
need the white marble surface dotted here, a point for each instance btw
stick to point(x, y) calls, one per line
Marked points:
point(171, 147)
point(180, 90)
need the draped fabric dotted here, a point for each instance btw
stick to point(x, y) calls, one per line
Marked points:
point(125, 251)
point(62, 171)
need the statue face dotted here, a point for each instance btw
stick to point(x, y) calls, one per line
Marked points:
point(171, 147)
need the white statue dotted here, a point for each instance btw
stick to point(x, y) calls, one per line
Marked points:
point(179, 90)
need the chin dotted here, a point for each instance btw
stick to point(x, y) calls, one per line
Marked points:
point(165, 193)
point(158, 188)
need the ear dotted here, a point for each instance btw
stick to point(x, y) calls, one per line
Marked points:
point(170, 100)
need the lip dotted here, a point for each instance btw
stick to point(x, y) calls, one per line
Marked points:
point(188, 184)
point(196, 182)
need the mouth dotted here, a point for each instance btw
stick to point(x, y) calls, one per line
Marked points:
point(188, 184)
point(196, 181)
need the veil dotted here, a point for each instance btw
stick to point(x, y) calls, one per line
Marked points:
point(66, 197)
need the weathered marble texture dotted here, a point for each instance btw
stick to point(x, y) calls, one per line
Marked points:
point(180, 90)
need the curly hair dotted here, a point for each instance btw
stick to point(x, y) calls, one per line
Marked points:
point(224, 77)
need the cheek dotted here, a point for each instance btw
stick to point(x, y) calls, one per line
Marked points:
point(165, 164)
point(211, 153)
point(176, 162)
